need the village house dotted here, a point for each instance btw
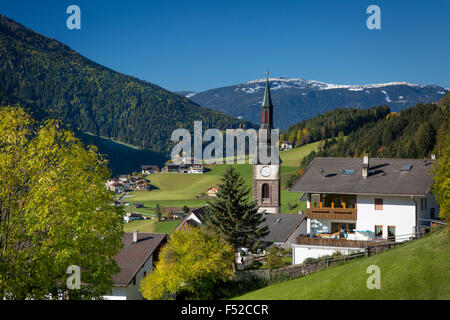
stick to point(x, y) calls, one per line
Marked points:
point(117, 187)
point(286, 145)
point(194, 219)
point(141, 184)
point(111, 181)
point(352, 202)
point(196, 168)
point(135, 260)
point(212, 192)
point(170, 167)
point(283, 229)
point(131, 216)
point(149, 169)
point(177, 213)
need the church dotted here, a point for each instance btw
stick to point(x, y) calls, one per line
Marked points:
point(266, 177)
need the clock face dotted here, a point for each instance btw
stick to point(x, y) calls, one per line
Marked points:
point(265, 171)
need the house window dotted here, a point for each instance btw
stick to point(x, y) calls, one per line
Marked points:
point(145, 273)
point(391, 233)
point(425, 204)
point(343, 228)
point(134, 280)
point(266, 117)
point(378, 204)
point(432, 213)
point(379, 231)
point(265, 191)
point(351, 227)
point(421, 204)
point(262, 116)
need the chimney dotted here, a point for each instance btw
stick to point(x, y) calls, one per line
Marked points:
point(365, 166)
point(135, 236)
point(433, 157)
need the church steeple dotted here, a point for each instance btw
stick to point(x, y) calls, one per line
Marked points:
point(267, 107)
point(266, 176)
point(267, 101)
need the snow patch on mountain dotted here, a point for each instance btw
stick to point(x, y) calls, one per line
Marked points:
point(388, 99)
point(286, 83)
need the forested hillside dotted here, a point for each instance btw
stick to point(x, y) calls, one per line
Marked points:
point(332, 123)
point(52, 81)
point(412, 133)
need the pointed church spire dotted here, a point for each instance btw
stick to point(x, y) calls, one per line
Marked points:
point(267, 101)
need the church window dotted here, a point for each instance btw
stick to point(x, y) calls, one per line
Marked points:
point(265, 191)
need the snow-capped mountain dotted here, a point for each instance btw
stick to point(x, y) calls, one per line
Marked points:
point(297, 99)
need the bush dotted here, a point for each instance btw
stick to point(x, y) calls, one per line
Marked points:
point(235, 287)
point(274, 256)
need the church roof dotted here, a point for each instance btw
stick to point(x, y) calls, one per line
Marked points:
point(267, 101)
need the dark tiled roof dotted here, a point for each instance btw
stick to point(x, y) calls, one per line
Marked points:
point(185, 223)
point(281, 226)
point(133, 255)
point(200, 213)
point(325, 175)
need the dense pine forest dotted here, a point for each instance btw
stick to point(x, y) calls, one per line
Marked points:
point(413, 133)
point(51, 80)
point(332, 123)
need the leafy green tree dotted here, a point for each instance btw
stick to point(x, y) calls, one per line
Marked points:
point(441, 174)
point(192, 262)
point(233, 215)
point(54, 212)
point(186, 209)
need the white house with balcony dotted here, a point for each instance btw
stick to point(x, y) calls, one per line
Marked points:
point(353, 202)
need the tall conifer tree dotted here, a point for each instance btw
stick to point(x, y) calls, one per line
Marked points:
point(233, 215)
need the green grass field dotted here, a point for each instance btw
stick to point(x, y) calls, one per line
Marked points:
point(151, 226)
point(416, 270)
point(177, 190)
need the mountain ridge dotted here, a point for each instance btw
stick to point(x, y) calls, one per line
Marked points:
point(297, 99)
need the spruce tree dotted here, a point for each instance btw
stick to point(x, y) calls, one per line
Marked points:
point(158, 212)
point(233, 215)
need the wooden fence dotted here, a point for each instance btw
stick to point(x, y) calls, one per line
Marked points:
point(295, 271)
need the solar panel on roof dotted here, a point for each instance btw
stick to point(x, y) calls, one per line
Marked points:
point(406, 167)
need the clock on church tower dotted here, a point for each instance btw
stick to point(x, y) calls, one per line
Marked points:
point(266, 177)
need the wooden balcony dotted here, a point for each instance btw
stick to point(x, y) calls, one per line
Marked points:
point(342, 243)
point(331, 213)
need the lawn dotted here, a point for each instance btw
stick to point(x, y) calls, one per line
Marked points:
point(416, 270)
point(147, 226)
point(292, 158)
point(166, 226)
point(177, 190)
point(151, 226)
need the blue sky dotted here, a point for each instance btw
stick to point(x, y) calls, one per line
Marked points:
point(199, 45)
